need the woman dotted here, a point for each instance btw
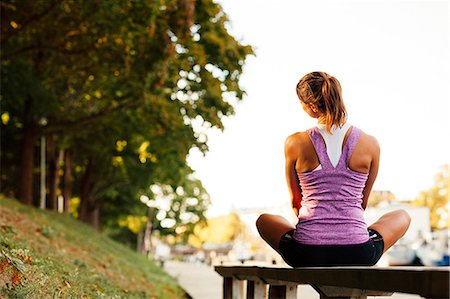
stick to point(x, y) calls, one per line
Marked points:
point(330, 171)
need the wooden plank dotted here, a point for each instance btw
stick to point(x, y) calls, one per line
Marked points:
point(241, 271)
point(275, 282)
point(429, 282)
point(406, 281)
point(437, 281)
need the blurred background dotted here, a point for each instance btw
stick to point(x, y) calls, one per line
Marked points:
point(162, 124)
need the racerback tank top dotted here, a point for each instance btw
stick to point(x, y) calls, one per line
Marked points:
point(331, 211)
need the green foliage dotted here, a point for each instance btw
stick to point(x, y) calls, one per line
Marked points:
point(436, 199)
point(220, 229)
point(120, 84)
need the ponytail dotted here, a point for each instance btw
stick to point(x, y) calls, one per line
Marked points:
point(325, 92)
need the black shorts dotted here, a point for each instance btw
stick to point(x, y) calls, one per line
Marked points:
point(302, 255)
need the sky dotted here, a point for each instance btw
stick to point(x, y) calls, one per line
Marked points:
point(392, 59)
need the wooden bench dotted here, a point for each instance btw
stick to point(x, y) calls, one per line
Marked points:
point(333, 282)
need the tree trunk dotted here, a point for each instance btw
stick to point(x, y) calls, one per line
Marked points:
point(30, 136)
point(147, 248)
point(53, 168)
point(67, 179)
point(89, 206)
point(90, 211)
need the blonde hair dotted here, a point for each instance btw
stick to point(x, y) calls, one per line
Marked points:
point(325, 92)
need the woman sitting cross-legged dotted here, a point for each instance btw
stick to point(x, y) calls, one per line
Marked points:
point(330, 171)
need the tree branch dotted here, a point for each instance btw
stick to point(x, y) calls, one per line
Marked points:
point(31, 19)
point(59, 48)
point(90, 119)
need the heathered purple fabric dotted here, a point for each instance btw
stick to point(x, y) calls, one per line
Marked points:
point(331, 212)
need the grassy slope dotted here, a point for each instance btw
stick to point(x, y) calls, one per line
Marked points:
point(44, 254)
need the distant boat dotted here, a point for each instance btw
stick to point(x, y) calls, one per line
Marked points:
point(432, 250)
point(435, 251)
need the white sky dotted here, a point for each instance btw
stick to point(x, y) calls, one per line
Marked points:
point(393, 61)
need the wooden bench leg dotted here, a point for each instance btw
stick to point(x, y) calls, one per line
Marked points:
point(277, 292)
point(291, 291)
point(288, 291)
point(227, 288)
point(256, 290)
point(238, 289)
point(250, 289)
point(233, 288)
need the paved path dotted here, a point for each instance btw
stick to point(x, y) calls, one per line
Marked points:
point(202, 282)
point(198, 280)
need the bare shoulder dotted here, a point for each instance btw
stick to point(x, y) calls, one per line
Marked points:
point(295, 144)
point(370, 142)
point(297, 139)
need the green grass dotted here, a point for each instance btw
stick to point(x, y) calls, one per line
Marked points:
point(44, 254)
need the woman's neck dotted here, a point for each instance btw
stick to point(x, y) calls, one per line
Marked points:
point(322, 123)
point(321, 120)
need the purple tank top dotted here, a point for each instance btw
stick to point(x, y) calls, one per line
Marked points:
point(331, 211)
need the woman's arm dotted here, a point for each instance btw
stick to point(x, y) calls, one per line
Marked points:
point(374, 165)
point(291, 150)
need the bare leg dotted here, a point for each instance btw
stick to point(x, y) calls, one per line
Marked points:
point(272, 228)
point(392, 226)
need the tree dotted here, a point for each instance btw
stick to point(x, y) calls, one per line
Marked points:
point(221, 229)
point(119, 84)
point(436, 199)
